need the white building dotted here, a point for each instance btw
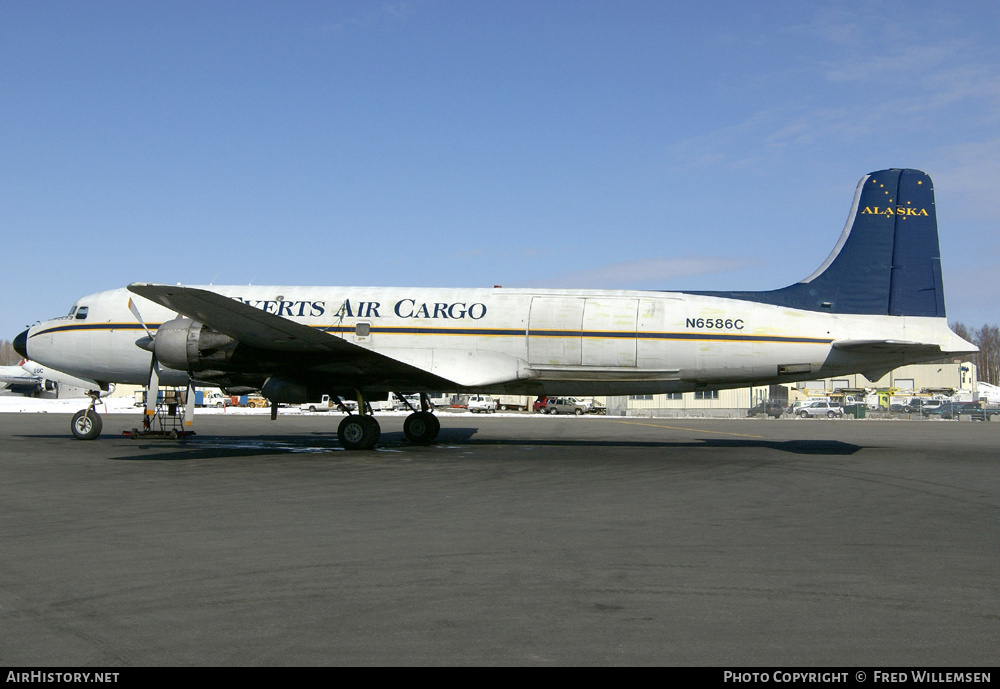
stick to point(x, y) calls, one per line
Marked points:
point(940, 379)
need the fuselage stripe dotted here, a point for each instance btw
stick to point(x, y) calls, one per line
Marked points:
point(499, 332)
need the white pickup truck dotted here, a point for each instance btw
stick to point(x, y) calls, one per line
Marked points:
point(327, 403)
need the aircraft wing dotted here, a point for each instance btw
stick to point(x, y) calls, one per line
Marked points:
point(14, 375)
point(268, 332)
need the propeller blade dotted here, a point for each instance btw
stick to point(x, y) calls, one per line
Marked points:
point(154, 388)
point(135, 312)
point(189, 407)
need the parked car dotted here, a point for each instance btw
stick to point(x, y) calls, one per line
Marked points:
point(564, 405)
point(482, 403)
point(929, 406)
point(774, 409)
point(539, 404)
point(985, 413)
point(919, 404)
point(953, 410)
point(814, 409)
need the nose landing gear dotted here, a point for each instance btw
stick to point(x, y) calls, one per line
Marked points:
point(86, 423)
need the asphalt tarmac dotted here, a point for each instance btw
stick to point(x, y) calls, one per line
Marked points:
point(515, 540)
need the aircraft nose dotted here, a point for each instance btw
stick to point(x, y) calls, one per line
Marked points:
point(21, 344)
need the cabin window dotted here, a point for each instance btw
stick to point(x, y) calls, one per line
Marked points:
point(81, 313)
point(363, 329)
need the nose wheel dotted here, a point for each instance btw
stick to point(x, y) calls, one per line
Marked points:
point(86, 423)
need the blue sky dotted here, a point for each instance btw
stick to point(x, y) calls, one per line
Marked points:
point(649, 145)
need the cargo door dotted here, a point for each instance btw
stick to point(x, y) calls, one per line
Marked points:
point(555, 331)
point(609, 332)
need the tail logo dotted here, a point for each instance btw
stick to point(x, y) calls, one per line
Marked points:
point(898, 210)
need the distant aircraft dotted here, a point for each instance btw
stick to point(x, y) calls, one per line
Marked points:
point(30, 378)
point(876, 303)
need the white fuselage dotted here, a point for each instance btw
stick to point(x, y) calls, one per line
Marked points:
point(587, 342)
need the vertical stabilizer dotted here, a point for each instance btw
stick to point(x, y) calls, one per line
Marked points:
point(887, 261)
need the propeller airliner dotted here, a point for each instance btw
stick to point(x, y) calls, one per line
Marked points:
point(876, 303)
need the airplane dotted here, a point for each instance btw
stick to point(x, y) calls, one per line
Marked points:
point(876, 303)
point(30, 378)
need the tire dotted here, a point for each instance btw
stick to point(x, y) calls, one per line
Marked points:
point(86, 425)
point(578, 412)
point(421, 427)
point(357, 432)
point(830, 414)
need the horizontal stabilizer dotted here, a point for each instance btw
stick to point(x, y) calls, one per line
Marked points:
point(876, 347)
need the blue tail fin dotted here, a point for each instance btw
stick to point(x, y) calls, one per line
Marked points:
point(887, 261)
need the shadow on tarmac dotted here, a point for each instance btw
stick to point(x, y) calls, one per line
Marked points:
point(222, 446)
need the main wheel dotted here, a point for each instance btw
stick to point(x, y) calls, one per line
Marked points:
point(421, 427)
point(86, 424)
point(357, 432)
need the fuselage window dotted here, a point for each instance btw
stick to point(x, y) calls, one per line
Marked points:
point(81, 313)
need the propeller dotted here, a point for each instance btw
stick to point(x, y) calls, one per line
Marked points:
point(149, 344)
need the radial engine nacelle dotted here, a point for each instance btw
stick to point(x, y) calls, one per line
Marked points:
point(187, 345)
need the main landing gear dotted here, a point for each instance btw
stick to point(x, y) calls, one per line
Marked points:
point(421, 427)
point(361, 431)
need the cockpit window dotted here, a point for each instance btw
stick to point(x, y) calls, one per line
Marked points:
point(81, 313)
